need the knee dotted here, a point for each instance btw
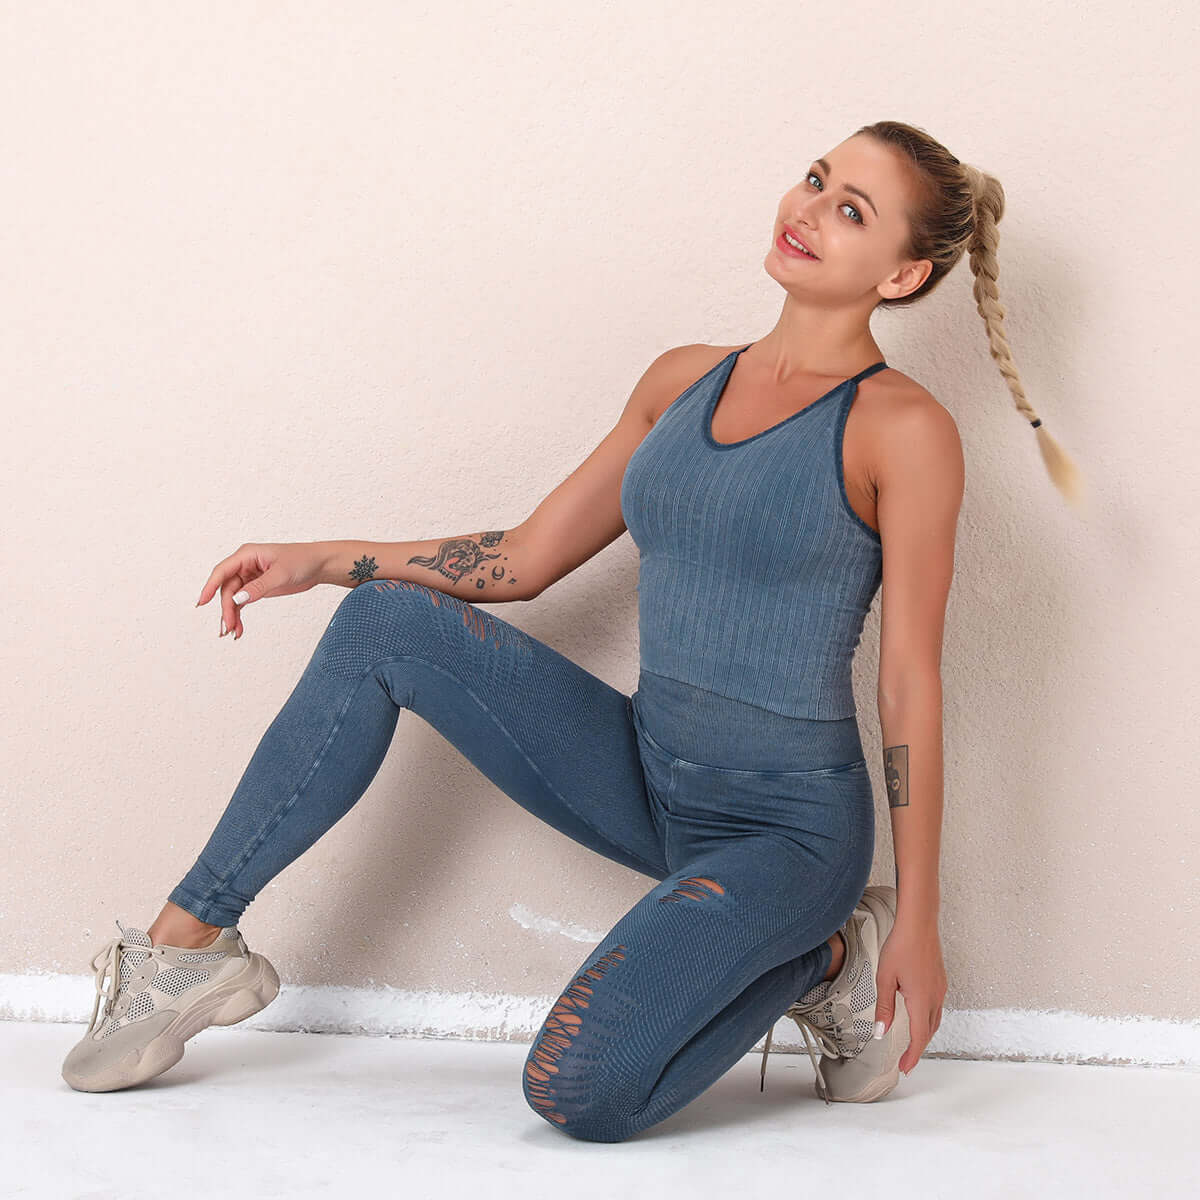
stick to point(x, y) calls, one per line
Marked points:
point(588, 1120)
point(386, 618)
point(571, 1076)
point(374, 620)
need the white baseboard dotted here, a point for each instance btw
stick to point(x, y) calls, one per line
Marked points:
point(1013, 1034)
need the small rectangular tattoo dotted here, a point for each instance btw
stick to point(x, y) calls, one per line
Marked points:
point(895, 773)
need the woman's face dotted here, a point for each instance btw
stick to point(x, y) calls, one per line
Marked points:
point(849, 209)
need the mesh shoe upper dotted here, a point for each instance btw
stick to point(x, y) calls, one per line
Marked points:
point(135, 978)
point(838, 1014)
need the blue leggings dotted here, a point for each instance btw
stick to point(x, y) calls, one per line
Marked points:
point(758, 828)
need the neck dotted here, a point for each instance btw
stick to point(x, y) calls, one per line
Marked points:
point(809, 340)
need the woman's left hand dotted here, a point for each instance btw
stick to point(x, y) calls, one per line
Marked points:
point(911, 960)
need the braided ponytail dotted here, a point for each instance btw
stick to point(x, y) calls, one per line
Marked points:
point(988, 204)
point(958, 209)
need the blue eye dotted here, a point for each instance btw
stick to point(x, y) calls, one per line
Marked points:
point(857, 218)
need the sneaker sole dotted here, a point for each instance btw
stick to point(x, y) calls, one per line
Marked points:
point(873, 1091)
point(241, 997)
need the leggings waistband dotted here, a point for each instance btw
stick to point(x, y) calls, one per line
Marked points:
point(704, 727)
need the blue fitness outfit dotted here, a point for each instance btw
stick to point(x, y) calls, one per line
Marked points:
point(734, 776)
point(755, 572)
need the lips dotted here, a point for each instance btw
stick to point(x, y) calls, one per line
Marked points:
point(789, 230)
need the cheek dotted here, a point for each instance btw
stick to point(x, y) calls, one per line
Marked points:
point(860, 255)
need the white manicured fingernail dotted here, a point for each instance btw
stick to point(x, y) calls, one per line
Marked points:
point(878, 1029)
point(241, 597)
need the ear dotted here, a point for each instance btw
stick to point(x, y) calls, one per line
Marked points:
point(906, 280)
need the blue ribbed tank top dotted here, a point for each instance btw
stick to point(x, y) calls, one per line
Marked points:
point(755, 573)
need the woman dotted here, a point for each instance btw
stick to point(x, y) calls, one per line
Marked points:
point(771, 489)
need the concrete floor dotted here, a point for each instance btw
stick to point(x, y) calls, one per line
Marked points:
point(249, 1113)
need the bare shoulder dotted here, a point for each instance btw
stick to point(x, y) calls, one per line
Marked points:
point(899, 396)
point(916, 453)
point(675, 370)
point(909, 428)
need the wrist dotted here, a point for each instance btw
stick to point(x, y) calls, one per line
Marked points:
point(918, 903)
point(916, 914)
point(324, 552)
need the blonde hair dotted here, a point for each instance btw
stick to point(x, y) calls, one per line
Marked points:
point(958, 208)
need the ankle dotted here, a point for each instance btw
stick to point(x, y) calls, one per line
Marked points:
point(185, 939)
point(175, 926)
point(837, 944)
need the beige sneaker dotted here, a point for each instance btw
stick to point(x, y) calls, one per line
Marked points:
point(839, 1013)
point(156, 998)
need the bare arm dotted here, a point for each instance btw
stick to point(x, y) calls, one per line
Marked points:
point(575, 521)
point(920, 490)
point(489, 566)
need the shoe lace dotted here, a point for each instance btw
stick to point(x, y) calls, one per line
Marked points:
point(107, 962)
point(814, 1027)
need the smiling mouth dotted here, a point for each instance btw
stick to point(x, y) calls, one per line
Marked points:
point(796, 245)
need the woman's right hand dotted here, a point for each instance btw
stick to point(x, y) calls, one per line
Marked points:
point(259, 570)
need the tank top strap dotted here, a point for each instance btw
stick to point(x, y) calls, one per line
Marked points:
point(879, 366)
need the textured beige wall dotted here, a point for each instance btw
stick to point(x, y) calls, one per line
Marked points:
point(389, 271)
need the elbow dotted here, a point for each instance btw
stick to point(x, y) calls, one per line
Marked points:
point(530, 586)
point(528, 581)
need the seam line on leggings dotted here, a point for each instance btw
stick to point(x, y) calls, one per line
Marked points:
point(653, 872)
point(276, 817)
point(285, 808)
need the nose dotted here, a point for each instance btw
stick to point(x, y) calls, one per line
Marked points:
point(805, 213)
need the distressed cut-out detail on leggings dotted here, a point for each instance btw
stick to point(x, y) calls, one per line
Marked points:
point(478, 622)
point(563, 1024)
point(707, 973)
point(695, 887)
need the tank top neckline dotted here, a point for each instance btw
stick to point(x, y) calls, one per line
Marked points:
point(731, 359)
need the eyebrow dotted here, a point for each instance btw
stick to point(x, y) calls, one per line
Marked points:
point(849, 186)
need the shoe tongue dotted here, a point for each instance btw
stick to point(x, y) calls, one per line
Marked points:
point(133, 936)
point(131, 956)
point(817, 992)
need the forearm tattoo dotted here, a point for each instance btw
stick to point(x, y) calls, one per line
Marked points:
point(895, 772)
point(456, 558)
point(364, 569)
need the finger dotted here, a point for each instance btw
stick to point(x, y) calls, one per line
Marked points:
point(240, 599)
point(259, 584)
point(218, 574)
point(212, 582)
point(237, 628)
point(916, 1047)
point(245, 576)
point(885, 1002)
point(229, 616)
